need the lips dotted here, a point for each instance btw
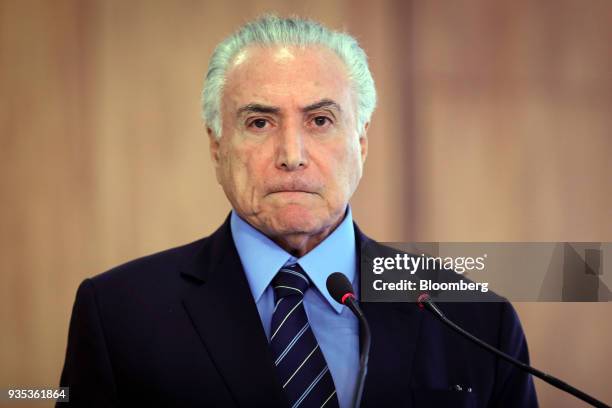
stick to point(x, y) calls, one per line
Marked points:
point(295, 186)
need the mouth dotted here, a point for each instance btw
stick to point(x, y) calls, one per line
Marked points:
point(290, 192)
point(296, 187)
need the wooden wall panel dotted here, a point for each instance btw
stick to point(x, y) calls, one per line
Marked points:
point(514, 144)
point(513, 119)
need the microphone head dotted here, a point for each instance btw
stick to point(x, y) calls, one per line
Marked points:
point(423, 299)
point(339, 287)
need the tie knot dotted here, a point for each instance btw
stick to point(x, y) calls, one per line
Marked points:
point(290, 280)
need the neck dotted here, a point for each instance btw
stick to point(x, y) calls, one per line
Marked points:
point(300, 244)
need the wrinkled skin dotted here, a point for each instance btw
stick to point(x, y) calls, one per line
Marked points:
point(290, 155)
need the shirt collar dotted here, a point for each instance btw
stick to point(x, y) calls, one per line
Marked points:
point(262, 258)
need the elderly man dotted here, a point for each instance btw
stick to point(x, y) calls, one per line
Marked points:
point(242, 317)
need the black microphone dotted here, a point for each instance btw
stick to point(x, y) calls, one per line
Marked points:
point(342, 292)
point(424, 301)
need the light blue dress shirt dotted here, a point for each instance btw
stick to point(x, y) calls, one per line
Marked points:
point(334, 326)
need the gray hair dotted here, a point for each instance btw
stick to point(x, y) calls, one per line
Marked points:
point(274, 30)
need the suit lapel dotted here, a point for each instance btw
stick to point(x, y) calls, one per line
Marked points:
point(221, 307)
point(395, 331)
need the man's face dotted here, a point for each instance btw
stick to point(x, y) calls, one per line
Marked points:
point(290, 156)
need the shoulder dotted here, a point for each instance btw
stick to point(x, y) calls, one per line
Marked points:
point(161, 265)
point(165, 266)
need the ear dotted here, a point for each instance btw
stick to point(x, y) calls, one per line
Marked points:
point(363, 142)
point(213, 146)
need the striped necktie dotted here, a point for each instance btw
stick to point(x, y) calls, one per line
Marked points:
point(299, 362)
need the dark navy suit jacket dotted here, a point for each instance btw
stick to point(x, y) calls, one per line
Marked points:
point(181, 328)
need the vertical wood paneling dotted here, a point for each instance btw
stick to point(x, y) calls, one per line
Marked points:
point(513, 102)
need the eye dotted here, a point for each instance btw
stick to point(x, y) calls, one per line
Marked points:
point(321, 121)
point(259, 123)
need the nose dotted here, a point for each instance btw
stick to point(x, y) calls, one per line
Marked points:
point(291, 152)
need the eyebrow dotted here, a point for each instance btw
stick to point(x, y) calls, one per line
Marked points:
point(260, 108)
point(323, 103)
point(257, 108)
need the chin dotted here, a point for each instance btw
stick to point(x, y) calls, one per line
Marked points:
point(298, 219)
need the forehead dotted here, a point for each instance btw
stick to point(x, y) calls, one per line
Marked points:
point(283, 75)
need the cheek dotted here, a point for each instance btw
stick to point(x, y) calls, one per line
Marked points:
point(351, 176)
point(241, 167)
point(345, 171)
point(231, 171)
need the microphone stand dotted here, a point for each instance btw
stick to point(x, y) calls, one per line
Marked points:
point(365, 340)
point(426, 302)
point(342, 291)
